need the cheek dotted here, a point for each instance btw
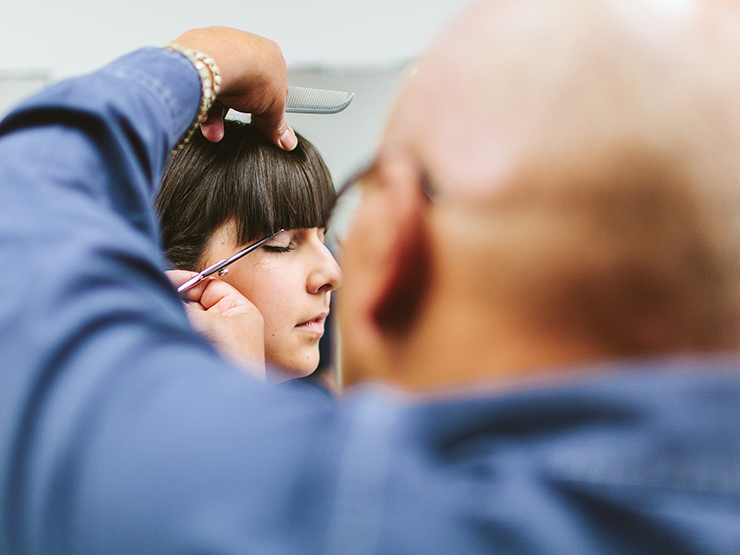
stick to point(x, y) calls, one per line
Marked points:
point(279, 293)
point(269, 288)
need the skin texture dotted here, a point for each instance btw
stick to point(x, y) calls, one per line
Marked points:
point(584, 154)
point(289, 281)
point(227, 319)
point(254, 80)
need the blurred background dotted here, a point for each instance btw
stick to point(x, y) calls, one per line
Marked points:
point(362, 47)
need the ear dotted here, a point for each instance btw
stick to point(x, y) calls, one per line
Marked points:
point(407, 273)
point(386, 264)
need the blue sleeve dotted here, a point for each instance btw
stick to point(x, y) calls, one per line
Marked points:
point(120, 429)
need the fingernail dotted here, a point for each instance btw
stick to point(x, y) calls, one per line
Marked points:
point(288, 141)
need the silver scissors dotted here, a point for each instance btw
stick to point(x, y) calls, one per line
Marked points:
point(220, 267)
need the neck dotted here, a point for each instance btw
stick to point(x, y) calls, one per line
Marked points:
point(458, 346)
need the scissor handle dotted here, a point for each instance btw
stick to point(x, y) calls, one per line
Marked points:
point(196, 279)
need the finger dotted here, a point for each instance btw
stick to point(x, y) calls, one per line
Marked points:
point(193, 307)
point(178, 277)
point(288, 141)
point(213, 127)
point(222, 298)
point(253, 79)
point(192, 295)
point(277, 130)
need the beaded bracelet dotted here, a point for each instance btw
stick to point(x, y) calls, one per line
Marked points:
point(210, 82)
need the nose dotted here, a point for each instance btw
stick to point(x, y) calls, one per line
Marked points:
point(326, 274)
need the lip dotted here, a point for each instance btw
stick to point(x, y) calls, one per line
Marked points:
point(315, 324)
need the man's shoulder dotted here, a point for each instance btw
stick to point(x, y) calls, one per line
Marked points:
point(630, 455)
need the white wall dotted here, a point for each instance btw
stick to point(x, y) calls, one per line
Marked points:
point(72, 36)
point(345, 45)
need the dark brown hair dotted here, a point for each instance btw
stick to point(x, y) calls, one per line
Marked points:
point(243, 178)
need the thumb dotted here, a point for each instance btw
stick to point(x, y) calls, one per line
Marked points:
point(281, 134)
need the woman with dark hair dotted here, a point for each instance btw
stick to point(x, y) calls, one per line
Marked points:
point(218, 197)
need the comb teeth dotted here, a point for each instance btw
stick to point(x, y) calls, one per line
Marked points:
point(304, 100)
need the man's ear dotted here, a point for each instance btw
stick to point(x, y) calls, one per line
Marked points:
point(387, 274)
point(407, 271)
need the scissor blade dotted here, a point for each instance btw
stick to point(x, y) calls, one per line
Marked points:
point(221, 264)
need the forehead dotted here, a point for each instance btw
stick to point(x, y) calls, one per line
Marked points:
point(223, 239)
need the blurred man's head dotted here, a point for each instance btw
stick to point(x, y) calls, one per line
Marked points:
point(583, 158)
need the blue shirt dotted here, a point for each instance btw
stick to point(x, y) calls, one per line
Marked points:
point(122, 431)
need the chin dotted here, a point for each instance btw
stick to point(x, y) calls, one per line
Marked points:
point(294, 373)
point(284, 371)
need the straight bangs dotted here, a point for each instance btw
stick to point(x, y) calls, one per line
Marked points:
point(244, 179)
point(277, 189)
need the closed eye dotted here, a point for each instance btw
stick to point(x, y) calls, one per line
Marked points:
point(275, 248)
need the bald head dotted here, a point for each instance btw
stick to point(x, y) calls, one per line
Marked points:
point(586, 159)
point(512, 80)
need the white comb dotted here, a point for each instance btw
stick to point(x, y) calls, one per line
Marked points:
point(303, 100)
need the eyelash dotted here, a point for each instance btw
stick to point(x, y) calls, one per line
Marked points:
point(269, 248)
